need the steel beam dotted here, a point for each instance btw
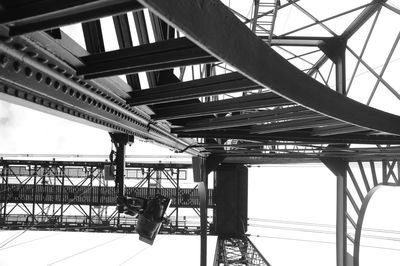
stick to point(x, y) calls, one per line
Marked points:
point(47, 14)
point(260, 117)
point(295, 136)
point(335, 49)
point(338, 168)
point(124, 38)
point(315, 121)
point(35, 78)
point(155, 56)
point(363, 17)
point(214, 28)
point(203, 223)
point(120, 140)
point(315, 68)
point(143, 37)
point(213, 85)
point(262, 100)
point(93, 37)
point(337, 130)
point(295, 40)
point(363, 50)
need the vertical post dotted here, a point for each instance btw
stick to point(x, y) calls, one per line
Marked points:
point(2, 191)
point(120, 158)
point(340, 63)
point(341, 228)
point(200, 175)
point(335, 49)
point(34, 192)
point(62, 194)
point(203, 223)
point(148, 182)
point(54, 192)
point(338, 168)
point(177, 198)
point(120, 140)
point(6, 196)
point(91, 196)
point(385, 176)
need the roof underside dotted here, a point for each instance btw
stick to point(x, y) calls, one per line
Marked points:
point(259, 81)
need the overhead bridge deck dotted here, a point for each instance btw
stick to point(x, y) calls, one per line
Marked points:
point(95, 196)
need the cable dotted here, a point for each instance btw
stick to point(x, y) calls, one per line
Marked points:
point(140, 251)
point(26, 242)
point(293, 229)
point(324, 242)
point(321, 225)
point(85, 250)
point(324, 232)
point(8, 240)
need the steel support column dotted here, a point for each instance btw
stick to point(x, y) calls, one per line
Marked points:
point(203, 223)
point(335, 49)
point(200, 176)
point(338, 168)
point(120, 140)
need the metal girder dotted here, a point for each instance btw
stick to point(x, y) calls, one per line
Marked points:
point(337, 130)
point(93, 37)
point(295, 136)
point(120, 140)
point(213, 27)
point(203, 223)
point(35, 78)
point(143, 37)
point(124, 38)
point(162, 31)
point(260, 117)
point(255, 101)
point(100, 164)
point(155, 56)
point(316, 120)
point(338, 167)
point(320, 62)
point(363, 17)
point(47, 14)
point(295, 40)
point(231, 82)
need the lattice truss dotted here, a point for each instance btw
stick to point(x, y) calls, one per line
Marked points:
point(238, 251)
point(80, 196)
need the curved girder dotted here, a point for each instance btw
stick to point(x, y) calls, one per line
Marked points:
point(213, 27)
point(360, 221)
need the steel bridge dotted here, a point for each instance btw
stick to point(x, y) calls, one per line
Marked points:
point(40, 193)
point(226, 88)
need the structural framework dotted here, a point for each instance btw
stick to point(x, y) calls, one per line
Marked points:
point(230, 89)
